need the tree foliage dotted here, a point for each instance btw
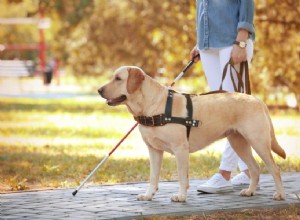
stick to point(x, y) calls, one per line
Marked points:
point(277, 58)
point(146, 33)
point(93, 36)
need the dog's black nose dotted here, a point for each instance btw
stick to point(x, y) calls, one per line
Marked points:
point(100, 91)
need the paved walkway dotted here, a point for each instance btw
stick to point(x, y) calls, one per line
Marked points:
point(119, 201)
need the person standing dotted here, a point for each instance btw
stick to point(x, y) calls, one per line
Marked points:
point(225, 31)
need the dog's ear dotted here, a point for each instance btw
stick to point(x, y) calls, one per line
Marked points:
point(134, 80)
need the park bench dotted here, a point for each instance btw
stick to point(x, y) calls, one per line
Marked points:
point(16, 68)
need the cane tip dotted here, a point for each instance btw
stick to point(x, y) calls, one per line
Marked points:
point(75, 192)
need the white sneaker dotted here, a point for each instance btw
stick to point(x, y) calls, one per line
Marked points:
point(216, 184)
point(241, 180)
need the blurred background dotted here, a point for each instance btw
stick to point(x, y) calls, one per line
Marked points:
point(88, 39)
point(54, 55)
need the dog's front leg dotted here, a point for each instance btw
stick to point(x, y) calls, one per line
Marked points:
point(182, 161)
point(155, 167)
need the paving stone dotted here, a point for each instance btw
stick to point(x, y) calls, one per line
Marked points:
point(119, 201)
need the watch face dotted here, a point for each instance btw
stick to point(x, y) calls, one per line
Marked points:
point(243, 44)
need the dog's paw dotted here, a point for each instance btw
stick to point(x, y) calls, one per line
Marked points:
point(278, 196)
point(247, 192)
point(144, 197)
point(178, 198)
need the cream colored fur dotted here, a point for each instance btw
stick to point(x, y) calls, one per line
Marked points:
point(243, 119)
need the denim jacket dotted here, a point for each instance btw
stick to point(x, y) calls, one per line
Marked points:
point(218, 22)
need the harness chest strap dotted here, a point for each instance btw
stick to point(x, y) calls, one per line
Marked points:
point(162, 119)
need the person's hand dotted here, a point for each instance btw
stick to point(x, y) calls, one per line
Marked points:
point(238, 54)
point(194, 53)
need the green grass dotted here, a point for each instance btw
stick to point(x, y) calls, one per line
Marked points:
point(57, 142)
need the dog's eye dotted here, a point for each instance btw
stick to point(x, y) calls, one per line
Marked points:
point(118, 78)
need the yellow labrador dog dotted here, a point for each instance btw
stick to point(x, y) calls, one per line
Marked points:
point(243, 119)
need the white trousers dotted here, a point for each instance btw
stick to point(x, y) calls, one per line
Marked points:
point(213, 62)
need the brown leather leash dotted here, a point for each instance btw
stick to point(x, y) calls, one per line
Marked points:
point(240, 87)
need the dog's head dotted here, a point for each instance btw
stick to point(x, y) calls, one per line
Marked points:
point(125, 81)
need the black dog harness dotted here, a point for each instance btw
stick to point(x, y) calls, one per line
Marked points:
point(162, 119)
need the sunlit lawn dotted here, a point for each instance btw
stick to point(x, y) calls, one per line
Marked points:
point(57, 142)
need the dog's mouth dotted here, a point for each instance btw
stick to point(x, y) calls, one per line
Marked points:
point(116, 101)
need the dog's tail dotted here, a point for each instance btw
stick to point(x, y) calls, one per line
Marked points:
point(274, 144)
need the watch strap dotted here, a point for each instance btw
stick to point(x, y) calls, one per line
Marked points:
point(241, 44)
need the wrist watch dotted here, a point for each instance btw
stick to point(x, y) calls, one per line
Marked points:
point(241, 44)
